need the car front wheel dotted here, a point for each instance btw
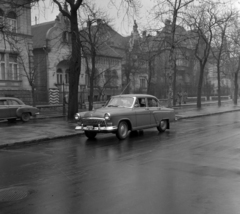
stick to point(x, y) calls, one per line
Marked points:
point(90, 135)
point(162, 126)
point(122, 131)
point(25, 116)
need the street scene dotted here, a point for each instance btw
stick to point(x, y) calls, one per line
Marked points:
point(126, 106)
point(193, 168)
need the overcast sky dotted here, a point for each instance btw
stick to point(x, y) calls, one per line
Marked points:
point(47, 12)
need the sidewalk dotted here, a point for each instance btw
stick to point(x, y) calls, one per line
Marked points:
point(53, 125)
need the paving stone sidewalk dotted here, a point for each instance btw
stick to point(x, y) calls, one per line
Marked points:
point(54, 125)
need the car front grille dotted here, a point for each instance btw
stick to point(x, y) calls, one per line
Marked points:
point(93, 122)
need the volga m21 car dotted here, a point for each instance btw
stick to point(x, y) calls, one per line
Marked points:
point(124, 113)
point(13, 108)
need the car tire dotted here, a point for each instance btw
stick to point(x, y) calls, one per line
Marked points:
point(90, 135)
point(122, 131)
point(25, 117)
point(162, 126)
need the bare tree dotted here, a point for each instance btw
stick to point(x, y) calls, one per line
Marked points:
point(94, 39)
point(129, 68)
point(174, 9)
point(24, 56)
point(233, 58)
point(75, 60)
point(220, 50)
point(75, 63)
point(202, 21)
point(106, 79)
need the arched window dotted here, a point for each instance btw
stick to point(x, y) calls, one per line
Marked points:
point(59, 76)
point(67, 76)
point(12, 21)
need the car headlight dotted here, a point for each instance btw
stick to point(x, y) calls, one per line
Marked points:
point(77, 116)
point(107, 116)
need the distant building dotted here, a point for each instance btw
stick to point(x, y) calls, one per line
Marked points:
point(15, 50)
point(52, 49)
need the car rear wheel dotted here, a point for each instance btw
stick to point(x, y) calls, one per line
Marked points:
point(25, 116)
point(122, 131)
point(90, 135)
point(162, 126)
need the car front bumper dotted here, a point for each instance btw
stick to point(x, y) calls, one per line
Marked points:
point(96, 129)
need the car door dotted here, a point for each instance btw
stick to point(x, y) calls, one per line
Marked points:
point(4, 110)
point(13, 105)
point(142, 113)
point(155, 110)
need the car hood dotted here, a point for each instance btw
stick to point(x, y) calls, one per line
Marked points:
point(102, 111)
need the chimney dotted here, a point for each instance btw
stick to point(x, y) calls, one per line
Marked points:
point(99, 21)
point(88, 24)
point(167, 22)
point(144, 33)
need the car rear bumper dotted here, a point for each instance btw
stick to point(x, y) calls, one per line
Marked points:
point(97, 129)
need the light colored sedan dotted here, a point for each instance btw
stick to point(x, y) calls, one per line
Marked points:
point(124, 113)
point(13, 108)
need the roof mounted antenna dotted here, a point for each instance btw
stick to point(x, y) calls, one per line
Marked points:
point(125, 87)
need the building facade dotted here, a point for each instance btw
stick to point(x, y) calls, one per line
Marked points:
point(15, 50)
point(52, 49)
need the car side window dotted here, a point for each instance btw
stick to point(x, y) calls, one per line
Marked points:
point(3, 102)
point(152, 102)
point(13, 102)
point(142, 102)
point(136, 105)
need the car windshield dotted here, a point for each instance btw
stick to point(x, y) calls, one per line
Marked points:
point(125, 102)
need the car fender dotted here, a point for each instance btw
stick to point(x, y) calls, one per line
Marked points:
point(128, 121)
point(21, 110)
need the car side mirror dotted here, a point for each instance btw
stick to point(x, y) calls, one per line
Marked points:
point(136, 105)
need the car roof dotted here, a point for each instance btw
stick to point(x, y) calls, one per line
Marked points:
point(134, 95)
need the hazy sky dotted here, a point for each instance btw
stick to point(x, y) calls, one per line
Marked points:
point(48, 12)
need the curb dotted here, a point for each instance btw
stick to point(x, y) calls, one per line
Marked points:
point(38, 140)
point(207, 114)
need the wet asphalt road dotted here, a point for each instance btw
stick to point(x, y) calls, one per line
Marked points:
point(193, 168)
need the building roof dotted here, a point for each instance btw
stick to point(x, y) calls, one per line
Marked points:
point(39, 33)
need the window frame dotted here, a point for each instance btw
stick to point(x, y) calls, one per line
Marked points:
point(3, 62)
point(59, 77)
point(13, 73)
point(12, 21)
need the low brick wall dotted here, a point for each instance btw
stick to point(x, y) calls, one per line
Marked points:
point(222, 98)
point(48, 108)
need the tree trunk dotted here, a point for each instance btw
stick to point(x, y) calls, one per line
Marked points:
point(170, 72)
point(200, 82)
point(149, 77)
point(219, 85)
point(92, 76)
point(75, 66)
point(174, 85)
point(235, 99)
point(33, 96)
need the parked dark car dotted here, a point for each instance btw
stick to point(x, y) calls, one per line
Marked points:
point(13, 108)
point(124, 113)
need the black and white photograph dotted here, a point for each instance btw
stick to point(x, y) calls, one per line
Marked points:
point(119, 107)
